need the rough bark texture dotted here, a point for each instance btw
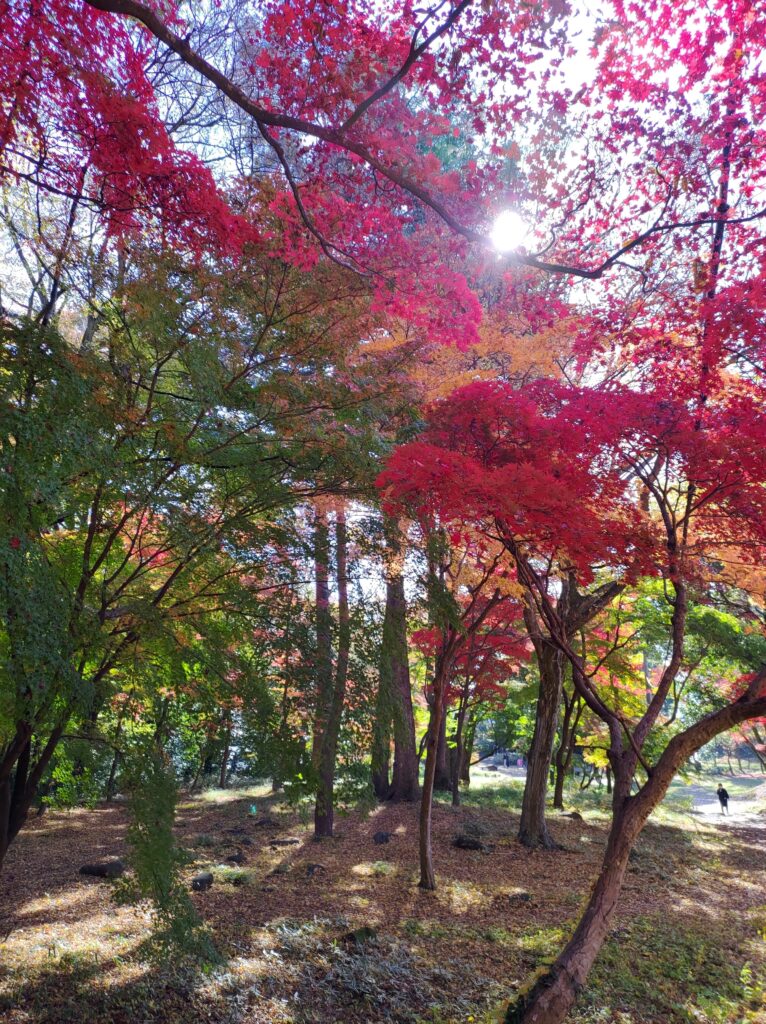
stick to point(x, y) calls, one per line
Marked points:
point(380, 754)
point(20, 776)
point(574, 611)
point(394, 717)
point(533, 829)
point(331, 688)
point(553, 995)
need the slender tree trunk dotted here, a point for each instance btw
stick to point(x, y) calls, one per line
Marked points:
point(283, 731)
point(442, 775)
point(200, 768)
point(457, 761)
point(110, 784)
point(226, 748)
point(110, 787)
point(427, 876)
point(572, 711)
point(404, 783)
point(560, 759)
point(465, 767)
point(533, 829)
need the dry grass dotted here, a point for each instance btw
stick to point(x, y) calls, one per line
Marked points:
point(688, 925)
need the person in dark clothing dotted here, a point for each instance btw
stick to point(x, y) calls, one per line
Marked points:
point(723, 797)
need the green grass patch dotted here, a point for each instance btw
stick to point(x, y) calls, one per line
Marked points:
point(670, 972)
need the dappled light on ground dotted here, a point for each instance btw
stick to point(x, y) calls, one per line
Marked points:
point(286, 919)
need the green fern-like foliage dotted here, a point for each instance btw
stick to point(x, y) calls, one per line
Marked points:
point(157, 862)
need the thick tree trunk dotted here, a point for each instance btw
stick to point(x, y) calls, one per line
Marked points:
point(323, 811)
point(394, 718)
point(380, 758)
point(533, 830)
point(554, 994)
point(332, 690)
point(20, 778)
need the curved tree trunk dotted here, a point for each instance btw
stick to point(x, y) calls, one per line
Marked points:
point(554, 994)
point(20, 776)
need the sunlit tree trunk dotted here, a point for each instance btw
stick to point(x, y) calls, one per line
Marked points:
point(465, 767)
point(458, 759)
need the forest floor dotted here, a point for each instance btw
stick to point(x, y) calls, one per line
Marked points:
point(688, 944)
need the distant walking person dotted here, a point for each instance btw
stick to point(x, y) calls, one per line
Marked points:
point(723, 797)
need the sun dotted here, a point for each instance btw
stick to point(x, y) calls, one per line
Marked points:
point(508, 232)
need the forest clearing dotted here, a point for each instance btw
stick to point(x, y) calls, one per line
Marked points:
point(447, 957)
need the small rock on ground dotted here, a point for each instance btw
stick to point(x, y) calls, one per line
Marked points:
point(111, 868)
point(202, 881)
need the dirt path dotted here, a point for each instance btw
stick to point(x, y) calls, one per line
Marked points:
point(742, 811)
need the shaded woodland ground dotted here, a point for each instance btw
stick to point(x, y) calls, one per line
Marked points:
point(687, 946)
